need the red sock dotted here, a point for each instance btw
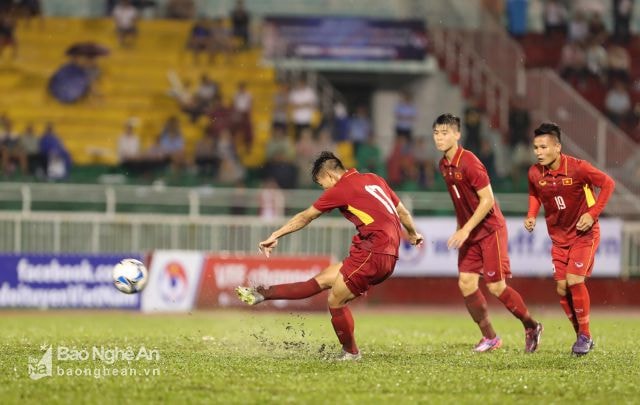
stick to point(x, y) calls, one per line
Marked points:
point(581, 306)
point(342, 322)
point(514, 303)
point(567, 305)
point(292, 291)
point(477, 307)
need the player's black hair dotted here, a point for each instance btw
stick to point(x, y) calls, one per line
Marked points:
point(549, 128)
point(326, 161)
point(447, 119)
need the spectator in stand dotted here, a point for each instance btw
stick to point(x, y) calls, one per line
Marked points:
point(573, 62)
point(171, 143)
point(201, 100)
point(555, 16)
point(280, 158)
point(302, 104)
point(206, 156)
point(125, 16)
point(231, 170)
point(619, 64)
point(519, 122)
point(220, 116)
point(579, 27)
point(473, 126)
point(199, 38)
point(57, 158)
point(241, 125)
point(240, 19)
point(618, 103)
point(340, 123)
point(306, 152)
point(622, 12)
point(29, 144)
point(369, 157)
point(487, 157)
point(219, 43)
point(405, 115)
point(359, 127)
point(10, 151)
point(128, 144)
point(7, 35)
point(400, 162)
point(597, 59)
point(181, 9)
point(426, 157)
point(597, 30)
point(272, 200)
point(280, 112)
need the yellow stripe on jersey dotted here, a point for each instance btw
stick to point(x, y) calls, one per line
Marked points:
point(591, 201)
point(362, 216)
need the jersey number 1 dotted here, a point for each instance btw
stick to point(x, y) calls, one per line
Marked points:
point(380, 195)
point(560, 202)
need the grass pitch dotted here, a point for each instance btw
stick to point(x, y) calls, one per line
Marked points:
point(262, 357)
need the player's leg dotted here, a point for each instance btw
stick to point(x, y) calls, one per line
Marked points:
point(565, 300)
point(290, 291)
point(469, 268)
point(497, 268)
point(342, 319)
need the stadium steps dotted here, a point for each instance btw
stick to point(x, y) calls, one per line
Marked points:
point(133, 84)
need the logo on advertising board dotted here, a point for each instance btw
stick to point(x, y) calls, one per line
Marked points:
point(174, 284)
point(173, 281)
point(222, 274)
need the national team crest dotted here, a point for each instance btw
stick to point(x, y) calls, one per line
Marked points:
point(567, 182)
point(542, 183)
point(457, 175)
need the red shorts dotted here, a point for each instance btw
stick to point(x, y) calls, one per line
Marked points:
point(488, 257)
point(363, 268)
point(575, 259)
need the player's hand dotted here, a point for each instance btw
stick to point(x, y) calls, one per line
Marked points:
point(585, 222)
point(457, 239)
point(530, 223)
point(416, 240)
point(266, 246)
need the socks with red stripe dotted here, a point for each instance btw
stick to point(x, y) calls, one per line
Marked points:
point(477, 307)
point(292, 291)
point(567, 306)
point(581, 306)
point(513, 301)
point(342, 322)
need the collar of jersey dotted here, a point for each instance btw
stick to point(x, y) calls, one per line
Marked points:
point(562, 169)
point(347, 174)
point(455, 162)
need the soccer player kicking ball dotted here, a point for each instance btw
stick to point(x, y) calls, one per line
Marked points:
point(481, 237)
point(564, 185)
point(367, 201)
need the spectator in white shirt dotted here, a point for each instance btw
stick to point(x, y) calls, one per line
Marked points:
point(128, 144)
point(302, 104)
point(125, 16)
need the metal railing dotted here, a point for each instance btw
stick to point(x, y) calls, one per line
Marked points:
point(82, 233)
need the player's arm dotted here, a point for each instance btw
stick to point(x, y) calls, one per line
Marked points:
point(297, 222)
point(407, 221)
point(534, 207)
point(606, 185)
point(485, 205)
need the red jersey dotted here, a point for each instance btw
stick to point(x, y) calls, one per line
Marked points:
point(567, 193)
point(465, 175)
point(368, 202)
